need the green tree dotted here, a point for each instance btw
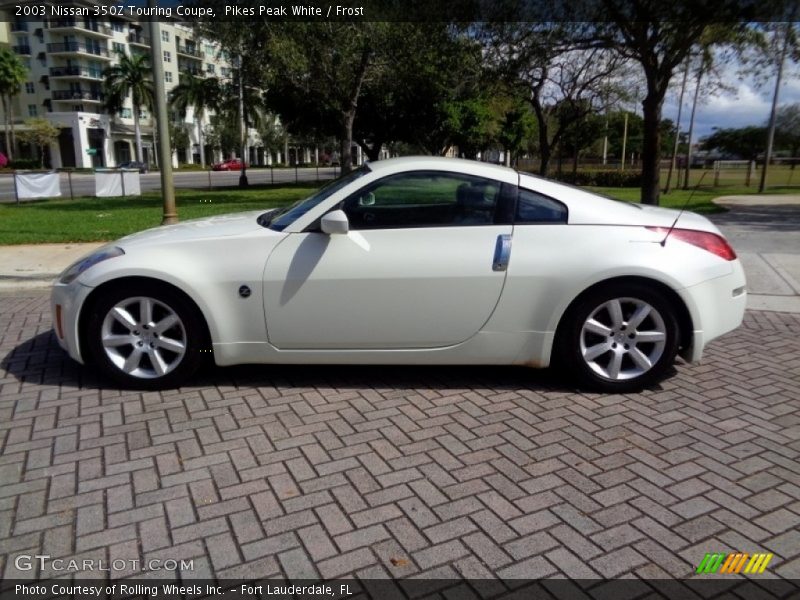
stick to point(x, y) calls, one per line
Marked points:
point(179, 138)
point(329, 63)
point(200, 93)
point(747, 142)
point(659, 36)
point(131, 76)
point(12, 75)
point(40, 133)
point(222, 134)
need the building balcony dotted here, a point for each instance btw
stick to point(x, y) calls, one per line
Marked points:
point(74, 95)
point(141, 40)
point(21, 26)
point(73, 72)
point(81, 25)
point(190, 51)
point(190, 70)
point(77, 48)
point(22, 50)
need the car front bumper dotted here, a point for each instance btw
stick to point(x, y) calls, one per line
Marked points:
point(65, 306)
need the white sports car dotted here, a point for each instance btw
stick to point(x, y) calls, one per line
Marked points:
point(410, 261)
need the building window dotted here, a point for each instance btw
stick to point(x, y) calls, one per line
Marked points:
point(167, 56)
point(118, 48)
point(32, 111)
point(164, 36)
point(208, 49)
point(125, 113)
point(29, 87)
point(225, 72)
point(117, 26)
point(168, 76)
point(210, 69)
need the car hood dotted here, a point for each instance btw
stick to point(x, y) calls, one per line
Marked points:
point(197, 229)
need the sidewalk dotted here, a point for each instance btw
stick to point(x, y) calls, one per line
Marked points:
point(32, 266)
point(764, 231)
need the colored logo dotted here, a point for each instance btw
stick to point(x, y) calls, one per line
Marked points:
point(737, 562)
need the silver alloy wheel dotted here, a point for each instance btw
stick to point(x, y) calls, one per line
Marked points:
point(623, 338)
point(143, 337)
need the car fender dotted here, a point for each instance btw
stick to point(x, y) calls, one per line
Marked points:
point(205, 273)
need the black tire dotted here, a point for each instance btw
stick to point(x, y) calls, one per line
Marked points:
point(596, 372)
point(189, 331)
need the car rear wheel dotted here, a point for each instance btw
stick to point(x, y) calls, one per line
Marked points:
point(149, 337)
point(620, 338)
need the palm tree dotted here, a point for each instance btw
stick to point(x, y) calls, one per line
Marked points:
point(130, 76)
point(202, 94)
point(12, 75)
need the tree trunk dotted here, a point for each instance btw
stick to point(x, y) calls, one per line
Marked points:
point(201, 142)
point(651, 145)
point(545, 149)
point(10, 113)
point(346, 154)
point(373, 152)
point(6, 102)
point(137, 134)
point(349, 114)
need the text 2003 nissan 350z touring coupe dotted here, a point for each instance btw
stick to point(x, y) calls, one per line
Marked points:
point(410, 261)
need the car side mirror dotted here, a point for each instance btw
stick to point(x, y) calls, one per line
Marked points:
point(335, 222)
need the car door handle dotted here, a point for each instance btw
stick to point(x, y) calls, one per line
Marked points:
point(502, 252)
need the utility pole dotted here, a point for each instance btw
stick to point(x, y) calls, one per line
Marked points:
point(773, 112)
point(677, 130)
point(242, 127)
point(170, 215)
point(624, 141)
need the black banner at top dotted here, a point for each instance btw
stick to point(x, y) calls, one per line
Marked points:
point(411, 10)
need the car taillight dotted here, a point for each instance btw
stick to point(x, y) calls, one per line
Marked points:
point(716, 244)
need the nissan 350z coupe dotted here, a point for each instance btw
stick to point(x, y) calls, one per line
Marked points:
point(410, 261)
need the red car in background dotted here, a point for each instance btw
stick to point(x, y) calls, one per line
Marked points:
point(233, 164)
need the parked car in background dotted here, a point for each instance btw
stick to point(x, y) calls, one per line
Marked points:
point(414, 260)
point(135, 164)
point(234, 164)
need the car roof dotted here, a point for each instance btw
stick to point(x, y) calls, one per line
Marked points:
point(439, 163)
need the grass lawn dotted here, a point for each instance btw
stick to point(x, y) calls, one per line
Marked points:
point(100, 219)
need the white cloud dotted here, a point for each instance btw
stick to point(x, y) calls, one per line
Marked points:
point(748, 105)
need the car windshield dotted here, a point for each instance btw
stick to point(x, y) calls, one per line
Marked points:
point(281, 219)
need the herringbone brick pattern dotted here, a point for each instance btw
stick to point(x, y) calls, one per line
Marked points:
point(328, 472)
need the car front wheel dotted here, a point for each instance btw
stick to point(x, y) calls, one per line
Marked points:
point(147, 337)
point(619, 339)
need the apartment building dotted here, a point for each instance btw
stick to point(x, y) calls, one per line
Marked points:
point(66, 58)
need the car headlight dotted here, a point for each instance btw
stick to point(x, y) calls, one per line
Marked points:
point(79, 267)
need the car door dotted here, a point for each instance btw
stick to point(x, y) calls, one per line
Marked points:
point(422, 266)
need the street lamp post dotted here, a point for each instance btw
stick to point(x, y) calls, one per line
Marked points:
point(242, 127)
point(170, 215)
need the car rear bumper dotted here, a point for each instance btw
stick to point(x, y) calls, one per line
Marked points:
point(716, 307)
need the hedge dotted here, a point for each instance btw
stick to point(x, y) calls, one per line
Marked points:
point(605, 178)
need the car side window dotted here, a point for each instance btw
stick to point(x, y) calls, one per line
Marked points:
point(424, 199)
point(533, 207)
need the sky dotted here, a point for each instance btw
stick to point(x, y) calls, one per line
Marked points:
point(748, 105)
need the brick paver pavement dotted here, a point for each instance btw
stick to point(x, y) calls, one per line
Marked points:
point(331, 472)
